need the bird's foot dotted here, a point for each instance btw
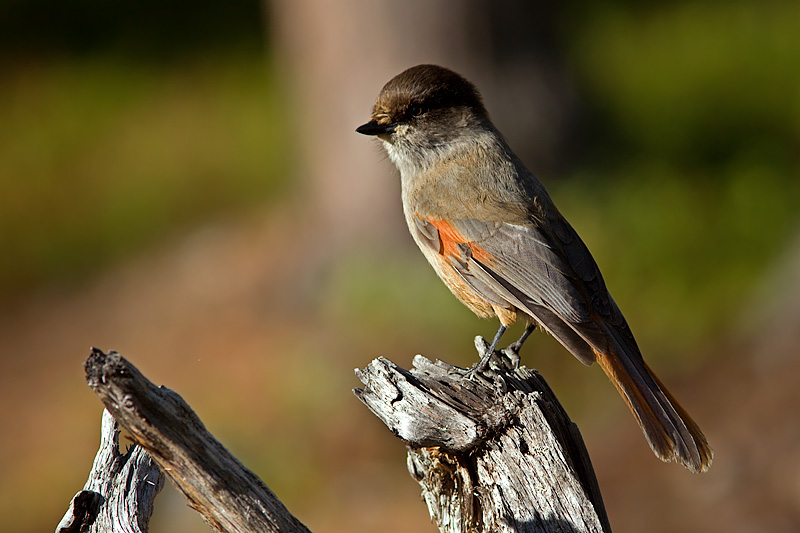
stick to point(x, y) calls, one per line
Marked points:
point(512, 351)
point(504, 360)
point(491, 365)
point(511, 354)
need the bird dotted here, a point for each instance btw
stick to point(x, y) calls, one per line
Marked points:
point(496, 239)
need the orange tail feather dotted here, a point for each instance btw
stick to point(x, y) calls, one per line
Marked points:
point(670, 431)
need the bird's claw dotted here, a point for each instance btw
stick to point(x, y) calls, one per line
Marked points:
point(511, 354)
point(490, 366)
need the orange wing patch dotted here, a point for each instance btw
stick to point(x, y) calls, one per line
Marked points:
point(450, 238)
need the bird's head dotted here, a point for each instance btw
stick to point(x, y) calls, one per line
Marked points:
point(424, 111)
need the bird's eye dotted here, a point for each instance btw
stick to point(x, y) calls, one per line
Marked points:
point(415, 110)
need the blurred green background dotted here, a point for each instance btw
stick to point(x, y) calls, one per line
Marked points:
point(154, 197)
point(123, 122)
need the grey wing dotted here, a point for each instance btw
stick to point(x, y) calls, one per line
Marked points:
point(551, 276)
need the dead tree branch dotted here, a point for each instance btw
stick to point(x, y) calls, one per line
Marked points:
point(229, 496)
point(119, 494)
point(492, 452)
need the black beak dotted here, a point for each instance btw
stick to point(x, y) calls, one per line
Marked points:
point(373, 128)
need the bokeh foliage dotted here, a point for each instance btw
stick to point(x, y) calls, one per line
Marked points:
point(123, 122)
point(100, 158)
point(697, 155)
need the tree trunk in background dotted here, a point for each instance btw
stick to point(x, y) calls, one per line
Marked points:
point(335, 76)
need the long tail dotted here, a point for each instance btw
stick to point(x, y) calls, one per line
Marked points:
point(670, 431)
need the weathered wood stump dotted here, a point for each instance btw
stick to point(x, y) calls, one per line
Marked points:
point(492, 453)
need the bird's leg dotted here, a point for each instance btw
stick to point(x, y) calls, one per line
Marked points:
point(484, 362)
point(512, 351)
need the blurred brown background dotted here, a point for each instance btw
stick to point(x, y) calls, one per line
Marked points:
point(183, 184)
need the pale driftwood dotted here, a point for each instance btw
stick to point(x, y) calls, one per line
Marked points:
point(225, 493)
point(492, 453)
point(119, 494)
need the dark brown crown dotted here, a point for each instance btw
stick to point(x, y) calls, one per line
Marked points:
point(427, 87)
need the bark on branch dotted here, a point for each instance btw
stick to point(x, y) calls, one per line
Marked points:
point(494, 453)
point(229, 496)
point(119, 494)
